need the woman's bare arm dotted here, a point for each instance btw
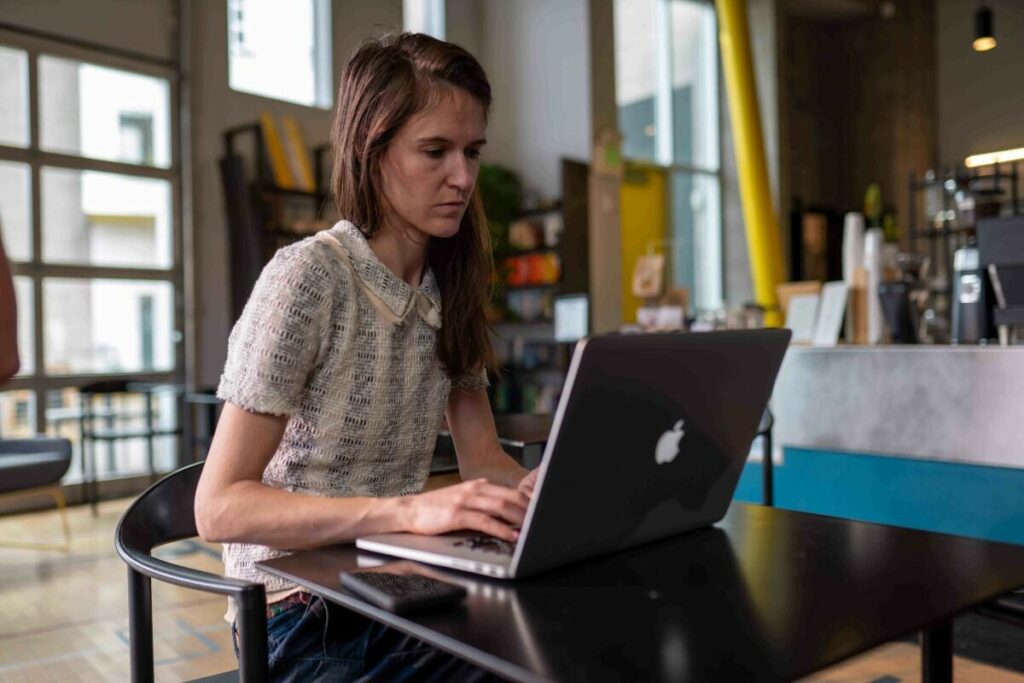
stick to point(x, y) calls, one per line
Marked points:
point(476, 440)
point(233, 505)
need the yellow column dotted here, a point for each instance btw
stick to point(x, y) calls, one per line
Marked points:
point(758, 213)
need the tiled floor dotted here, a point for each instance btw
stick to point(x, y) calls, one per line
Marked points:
point(66, 615)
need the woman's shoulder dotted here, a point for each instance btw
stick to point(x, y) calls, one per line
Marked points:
point(318, 258)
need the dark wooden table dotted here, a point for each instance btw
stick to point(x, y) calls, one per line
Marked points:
point(765, 595)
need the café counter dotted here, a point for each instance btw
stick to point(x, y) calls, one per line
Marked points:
point(930, 437)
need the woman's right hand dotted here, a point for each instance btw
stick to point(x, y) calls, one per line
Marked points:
point(472, 505)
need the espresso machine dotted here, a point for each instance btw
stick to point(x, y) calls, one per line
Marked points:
point(972, 317)
point(1001, 256)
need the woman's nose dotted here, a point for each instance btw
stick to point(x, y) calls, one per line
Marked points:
point(461, 175)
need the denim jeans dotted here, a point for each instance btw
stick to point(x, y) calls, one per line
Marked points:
point(321, 641)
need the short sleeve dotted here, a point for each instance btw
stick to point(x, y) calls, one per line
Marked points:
point(277, 341)
point(471, 381)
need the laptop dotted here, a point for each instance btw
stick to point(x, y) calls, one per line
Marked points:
point(648, 441)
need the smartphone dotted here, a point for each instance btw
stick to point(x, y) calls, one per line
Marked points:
point(401, 593)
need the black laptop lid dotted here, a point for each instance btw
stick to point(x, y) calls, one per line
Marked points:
point(651, 440)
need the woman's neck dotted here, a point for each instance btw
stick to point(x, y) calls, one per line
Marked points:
point(402, 250)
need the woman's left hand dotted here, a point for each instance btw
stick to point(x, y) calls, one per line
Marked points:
point(527, 483)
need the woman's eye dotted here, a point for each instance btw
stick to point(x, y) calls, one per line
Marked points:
point(473, 153)
point(435, 153)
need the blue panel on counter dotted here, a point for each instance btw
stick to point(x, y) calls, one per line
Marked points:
point(968, 500)
point(749, 488)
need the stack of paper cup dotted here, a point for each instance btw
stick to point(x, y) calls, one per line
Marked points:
point(853, 245)
point(874, 242)
point(853, 258)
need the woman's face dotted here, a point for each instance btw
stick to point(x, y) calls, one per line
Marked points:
point(429, 169)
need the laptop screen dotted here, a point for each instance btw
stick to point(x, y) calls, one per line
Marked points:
point(571, 317)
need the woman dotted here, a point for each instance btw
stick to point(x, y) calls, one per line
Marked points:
point(352, 346)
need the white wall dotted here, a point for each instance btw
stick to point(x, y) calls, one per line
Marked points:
point(537, 55)
point(981, 95)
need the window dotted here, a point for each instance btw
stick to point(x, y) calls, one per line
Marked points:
point(146, 331)
point(13, 97)
point(83, 108)
point(424, 16)
point(137, 138)
point(100, 326)
point(21, 414)
point(281, 50)
point(17, 414)
point(106, 219)
point(15, 209)
point(96, 275)
point(26, 338)
point(666, 64)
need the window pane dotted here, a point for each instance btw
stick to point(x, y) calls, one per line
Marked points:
point(17, 414)
point(694, 84)
point(15, 203)
point(103, 113)
point(281, 50)
point(697, 248)
point(666, 65)
point(94, 326)
point(105, 219)
point(424, 16)
point(635, 76)
point(26, 347)
point(13, 97)
point(110, 414)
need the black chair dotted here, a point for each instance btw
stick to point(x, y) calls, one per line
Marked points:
point(111, 427)
point(163, 513)
point(764, 430)
point(33, 467)
point(1007, 608)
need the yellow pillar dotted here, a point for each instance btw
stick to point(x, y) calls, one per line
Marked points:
point(758, 213)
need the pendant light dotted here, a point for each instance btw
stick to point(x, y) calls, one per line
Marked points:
point(984, 36)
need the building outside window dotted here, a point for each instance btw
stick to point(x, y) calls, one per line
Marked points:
point(281, 50)
point(666, 62)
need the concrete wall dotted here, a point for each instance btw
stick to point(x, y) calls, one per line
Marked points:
point(464, 21)
point(859, 105)
point(537, 54)
point(981, 96)
point(143, 26)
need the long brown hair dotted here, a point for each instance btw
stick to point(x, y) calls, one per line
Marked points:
point(385, 83)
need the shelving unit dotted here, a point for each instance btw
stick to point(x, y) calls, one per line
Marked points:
point(262, 217)
point(534, 363)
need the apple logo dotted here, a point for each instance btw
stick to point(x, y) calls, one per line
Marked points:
point(668, 444)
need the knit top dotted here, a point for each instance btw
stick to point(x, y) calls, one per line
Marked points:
point(346, 349)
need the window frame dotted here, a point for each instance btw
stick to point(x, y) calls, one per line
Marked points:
point(39, 382)
point(323, 57)
point(664, 143)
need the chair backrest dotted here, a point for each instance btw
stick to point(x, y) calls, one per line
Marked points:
point(164, 513)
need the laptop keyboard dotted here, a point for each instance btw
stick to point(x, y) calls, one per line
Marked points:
point(487, 544)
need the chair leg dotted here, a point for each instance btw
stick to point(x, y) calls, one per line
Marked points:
point(58, 497)
point(140, 626)
point(252, 637)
